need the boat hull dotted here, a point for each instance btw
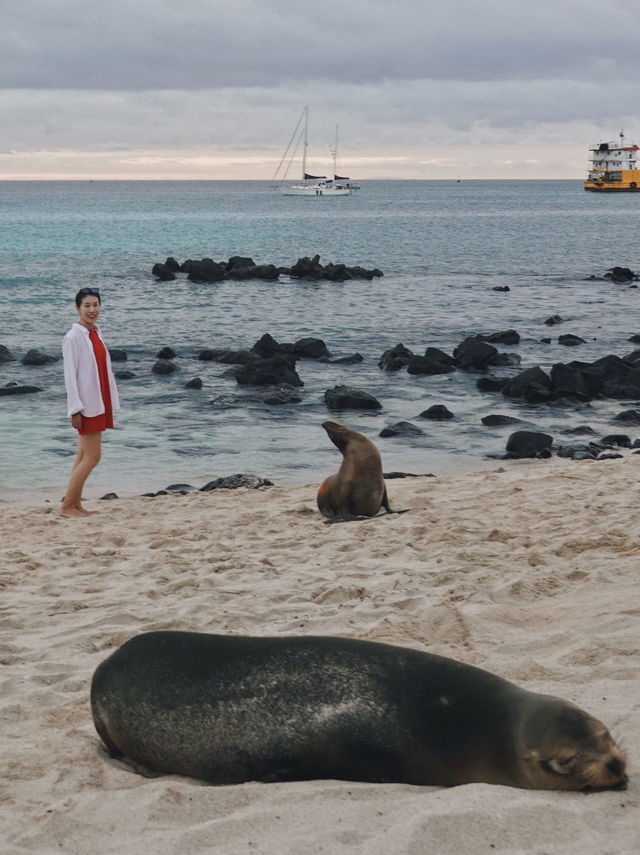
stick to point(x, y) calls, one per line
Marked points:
point(315, 191)
point(610, 187)
point(603, 180)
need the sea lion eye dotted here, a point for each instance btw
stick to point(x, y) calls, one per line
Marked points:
point(561, 765)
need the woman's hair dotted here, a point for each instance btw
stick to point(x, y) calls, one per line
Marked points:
point(87, 292)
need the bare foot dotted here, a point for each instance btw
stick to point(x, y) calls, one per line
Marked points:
point(74, 512)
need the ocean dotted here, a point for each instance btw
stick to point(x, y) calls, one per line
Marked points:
point(443, 247)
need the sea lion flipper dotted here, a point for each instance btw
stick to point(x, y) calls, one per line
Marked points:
point(385, 504)
point(385, 501)
point(340, 518)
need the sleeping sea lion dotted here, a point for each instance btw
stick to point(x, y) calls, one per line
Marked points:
point(228, 709)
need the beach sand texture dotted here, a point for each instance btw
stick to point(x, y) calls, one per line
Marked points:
point(531, 571)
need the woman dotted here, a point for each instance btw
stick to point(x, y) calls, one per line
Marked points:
point(92, 394)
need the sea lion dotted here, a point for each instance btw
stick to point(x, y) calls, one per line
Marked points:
point(228, 709)
point(357, 489)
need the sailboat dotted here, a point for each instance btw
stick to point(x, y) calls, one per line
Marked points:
point(312, 186)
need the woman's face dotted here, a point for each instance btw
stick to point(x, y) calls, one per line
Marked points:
point(89, 309)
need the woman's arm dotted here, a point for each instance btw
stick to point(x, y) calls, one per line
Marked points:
point(70, 356)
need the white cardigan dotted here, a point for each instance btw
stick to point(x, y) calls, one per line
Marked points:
point(81, 374)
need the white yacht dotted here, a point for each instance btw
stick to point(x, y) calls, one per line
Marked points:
point(312, 186)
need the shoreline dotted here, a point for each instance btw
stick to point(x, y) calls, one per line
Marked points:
point(52, 496)
point(528, 571)
point(100, 483)
point(454, 466)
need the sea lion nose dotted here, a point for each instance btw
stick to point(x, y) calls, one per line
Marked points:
point(615, 766)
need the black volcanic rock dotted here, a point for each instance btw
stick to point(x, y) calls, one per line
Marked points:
point(240, 271)
point(498, 420)
point(580, 430)
point(282, 395)
point(163, 366)
point(241, 268)
point(506, 359)
point(593, 375)
point(623, 388)
point(166, 353)
point(504, 337)
point(310, 268)
point(617, 439)
point(117, 355)
point(238, 357)
point(210, 354)
point(569, 340)
point(578, 451)
point(630, 417)
point(15, 389)
point(620, 275)
point(36, 357)
point(310, 348)
point(234, 482)
point(569, 382)
point(395, 358)
point(6, 355)
point(278, 370)
point(531, 385)
point(205, 270)
point(528, 443)
point(348, 398)
point(434, 361)
point(474, 354)
point(163, 273)
point(239, 262)
point(267, 346)
point(401, 429)
point(437, 412)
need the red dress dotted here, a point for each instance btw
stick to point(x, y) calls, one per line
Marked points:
point(94, 424)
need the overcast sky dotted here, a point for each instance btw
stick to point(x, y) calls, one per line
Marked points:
point(212, 89)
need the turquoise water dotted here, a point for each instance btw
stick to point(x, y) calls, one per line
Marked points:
point(443, 247)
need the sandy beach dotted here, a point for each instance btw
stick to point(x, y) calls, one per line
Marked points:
point(530, 570)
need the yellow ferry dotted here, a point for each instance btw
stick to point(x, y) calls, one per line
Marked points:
point(613, 167)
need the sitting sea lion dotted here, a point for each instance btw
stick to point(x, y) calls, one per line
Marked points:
point(357, 489)
point(227, 709)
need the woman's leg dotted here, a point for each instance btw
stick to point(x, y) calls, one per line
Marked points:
point(88, 456)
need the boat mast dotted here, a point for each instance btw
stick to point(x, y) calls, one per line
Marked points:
point(293, 147)
point(335, 154)
point(305, 143)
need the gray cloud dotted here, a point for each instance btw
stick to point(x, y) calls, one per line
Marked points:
point(157, 44)
point(157, 81)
